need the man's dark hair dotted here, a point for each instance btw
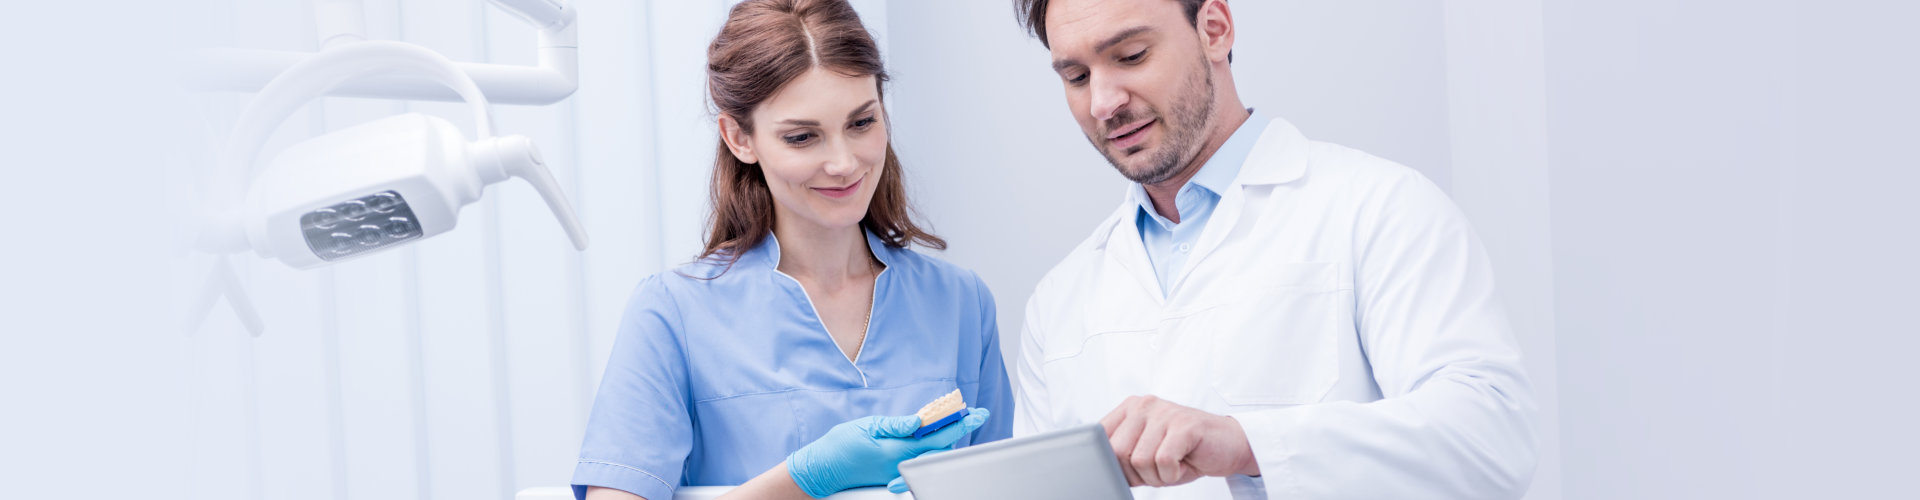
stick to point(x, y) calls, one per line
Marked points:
point(1033, 15)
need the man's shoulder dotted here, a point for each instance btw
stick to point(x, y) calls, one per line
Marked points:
point(1079, 264)
point(1339, 166)
point(1365, 190)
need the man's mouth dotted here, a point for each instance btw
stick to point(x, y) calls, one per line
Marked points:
point(1132, 134)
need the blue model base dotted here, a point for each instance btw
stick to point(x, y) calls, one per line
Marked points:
point(942, 422)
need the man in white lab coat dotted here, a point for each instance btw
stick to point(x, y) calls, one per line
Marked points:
point(1301, 319)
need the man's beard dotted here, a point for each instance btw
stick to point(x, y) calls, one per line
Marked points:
point(1192, 111)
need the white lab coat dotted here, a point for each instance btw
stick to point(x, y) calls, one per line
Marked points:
point(1337, 305)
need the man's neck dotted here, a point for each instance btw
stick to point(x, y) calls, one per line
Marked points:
point(1164, 193)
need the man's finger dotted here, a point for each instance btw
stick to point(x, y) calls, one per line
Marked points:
point(1188, 473)
point(1170, 457)
point(1125, 436)
point(1122, 437)
point(1133, 478)
point(1113, 418)
point(1145, 450)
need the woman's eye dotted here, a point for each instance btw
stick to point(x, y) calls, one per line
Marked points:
point(797, 139)
point(863, 122)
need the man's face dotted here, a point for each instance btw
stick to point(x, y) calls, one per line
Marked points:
point(1137, 81)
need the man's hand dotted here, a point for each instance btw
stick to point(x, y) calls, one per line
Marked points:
point(1165, 444)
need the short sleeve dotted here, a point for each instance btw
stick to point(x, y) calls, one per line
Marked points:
point(640, 431)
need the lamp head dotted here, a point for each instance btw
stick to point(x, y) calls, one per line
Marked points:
point(380, 185)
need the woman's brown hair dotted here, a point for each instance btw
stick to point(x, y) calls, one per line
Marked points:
point(764, 45)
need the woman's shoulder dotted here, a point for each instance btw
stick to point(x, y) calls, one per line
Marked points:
point(697, 278)
point(929, 269)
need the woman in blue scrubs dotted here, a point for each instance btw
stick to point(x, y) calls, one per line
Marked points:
point(789, 358)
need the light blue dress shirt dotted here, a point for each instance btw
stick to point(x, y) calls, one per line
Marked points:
point(1169, 243)
point(712, 382)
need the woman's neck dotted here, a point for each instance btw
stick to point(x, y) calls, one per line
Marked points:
point(825, 256)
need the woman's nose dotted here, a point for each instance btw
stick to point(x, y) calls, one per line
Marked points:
point(842, 161)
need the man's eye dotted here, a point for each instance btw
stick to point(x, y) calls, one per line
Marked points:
point(797, 139)
point(1077, 79)
point(1135, 57)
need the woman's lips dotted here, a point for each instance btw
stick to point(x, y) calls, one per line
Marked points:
point(841, 192)
point(1132, 136)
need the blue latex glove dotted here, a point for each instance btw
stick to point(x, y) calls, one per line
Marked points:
point(868, 451)
point(899, 484)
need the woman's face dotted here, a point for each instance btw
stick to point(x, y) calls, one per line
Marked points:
point(821, 141)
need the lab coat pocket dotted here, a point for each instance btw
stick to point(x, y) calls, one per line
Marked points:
point(1275, 340)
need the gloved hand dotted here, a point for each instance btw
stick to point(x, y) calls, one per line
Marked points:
point(899, 484)
point(868, 451)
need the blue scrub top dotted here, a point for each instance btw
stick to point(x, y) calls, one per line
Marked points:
point(712, 382)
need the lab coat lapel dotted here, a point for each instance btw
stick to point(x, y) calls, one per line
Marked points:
point(1279, 157)
point(1126, 252)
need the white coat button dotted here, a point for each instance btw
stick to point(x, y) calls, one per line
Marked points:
point(1183, 248)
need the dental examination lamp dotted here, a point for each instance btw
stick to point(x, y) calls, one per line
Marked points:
point(380, 185)
point(361, 190)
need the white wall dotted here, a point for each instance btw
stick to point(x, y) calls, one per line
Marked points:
point(1497, 112)
point(91, 393)
point(1733, 238)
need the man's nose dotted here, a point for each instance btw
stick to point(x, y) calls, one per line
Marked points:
point(1108, 99)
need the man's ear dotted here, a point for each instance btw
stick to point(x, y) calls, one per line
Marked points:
point(1215, 24)
point(737, 139)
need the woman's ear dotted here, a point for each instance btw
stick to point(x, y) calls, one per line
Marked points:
point(738, 141)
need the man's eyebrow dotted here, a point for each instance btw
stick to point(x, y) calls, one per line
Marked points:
point(1121, 37)
point(1111, 41)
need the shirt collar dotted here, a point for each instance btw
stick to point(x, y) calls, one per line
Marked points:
point(1220, 169)
point(771, 248)
point(1225, 164)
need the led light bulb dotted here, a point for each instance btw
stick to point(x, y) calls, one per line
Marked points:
point(383, 184)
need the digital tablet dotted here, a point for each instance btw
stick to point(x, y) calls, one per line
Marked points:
point(1071, 463)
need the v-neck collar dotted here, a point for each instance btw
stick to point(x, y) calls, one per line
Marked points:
point(882, 252)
